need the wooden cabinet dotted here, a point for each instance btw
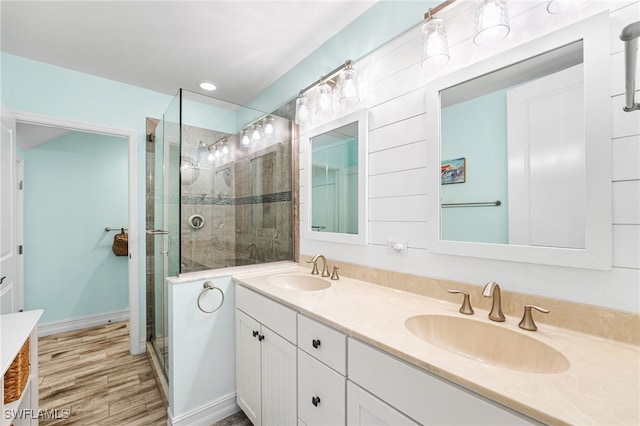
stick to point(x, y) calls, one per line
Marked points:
point(265, 360)
point(15, 329)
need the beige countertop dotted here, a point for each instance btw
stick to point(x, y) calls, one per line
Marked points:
point(601, 386)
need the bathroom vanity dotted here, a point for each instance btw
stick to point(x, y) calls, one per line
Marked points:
point(347, 352)
point(15, 330)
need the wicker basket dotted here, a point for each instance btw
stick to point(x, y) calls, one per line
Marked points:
point(16, 377)
point(121, 244)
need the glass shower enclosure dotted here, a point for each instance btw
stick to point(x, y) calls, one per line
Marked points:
point(222, 189)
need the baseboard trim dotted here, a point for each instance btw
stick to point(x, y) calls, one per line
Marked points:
point(78, 323)
point(207, 414)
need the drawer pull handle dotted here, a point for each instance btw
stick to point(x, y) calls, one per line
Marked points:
point(261, 337)
point(2, 279)
point(315, 343)
point(255, 333)
point(315, 401)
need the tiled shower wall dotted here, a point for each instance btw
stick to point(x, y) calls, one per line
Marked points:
point(244, 198)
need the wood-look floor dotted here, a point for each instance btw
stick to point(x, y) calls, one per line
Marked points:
point(91, 373)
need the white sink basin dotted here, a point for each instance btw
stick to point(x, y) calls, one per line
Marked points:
point(491, 344)
point(299, 282)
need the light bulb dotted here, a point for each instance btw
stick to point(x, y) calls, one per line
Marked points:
point(217, 154)
point(435, 48)
point(210, 156)
point(303, 115)
point(491, 22)
point(349, 92)
point(245, 139)
point(324, 103)
point(255, 135)
point(268, 125)
point(225, 149)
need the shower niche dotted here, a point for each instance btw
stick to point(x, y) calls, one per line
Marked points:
point(219, 194)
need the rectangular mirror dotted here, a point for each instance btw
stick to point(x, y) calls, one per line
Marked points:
point(523, 153)
point(336, 180)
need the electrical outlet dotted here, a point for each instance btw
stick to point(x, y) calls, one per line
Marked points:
point(397, 247)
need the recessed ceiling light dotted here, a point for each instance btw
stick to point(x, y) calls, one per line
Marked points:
point(207, 85)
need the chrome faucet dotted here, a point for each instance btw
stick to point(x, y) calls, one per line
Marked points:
point(492, 289)
point(325, 266)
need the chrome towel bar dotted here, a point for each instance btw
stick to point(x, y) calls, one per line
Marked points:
point(108, 229)
point(629, 36)
point(478, 204)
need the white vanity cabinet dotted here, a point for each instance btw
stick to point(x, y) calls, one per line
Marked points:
point(322, 365)
point(15, 329)
point(424, 397)
point(265, 359)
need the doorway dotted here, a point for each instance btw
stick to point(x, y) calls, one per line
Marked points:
point(129, 138)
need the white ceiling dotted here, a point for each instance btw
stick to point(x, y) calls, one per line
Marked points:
point(243, 46)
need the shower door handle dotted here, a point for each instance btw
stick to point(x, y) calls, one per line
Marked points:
point(161, 232)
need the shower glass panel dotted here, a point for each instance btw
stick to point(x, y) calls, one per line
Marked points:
point(222, 195)
point(165, 229)
point(236, 185)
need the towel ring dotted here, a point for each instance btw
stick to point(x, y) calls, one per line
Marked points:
point(208, 285)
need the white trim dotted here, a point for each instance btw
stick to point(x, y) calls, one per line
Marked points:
point(207, 414)
point(362, 118)
point(134, 259)
point(78, 323)
point(597, 253)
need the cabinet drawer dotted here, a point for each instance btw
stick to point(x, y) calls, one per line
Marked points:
point(423, 396)
point(364, 409)
point(277, 317)
point(323, 343)
point(321, 393)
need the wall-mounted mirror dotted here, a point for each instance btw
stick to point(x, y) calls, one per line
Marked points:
point(335, 166)
point(523, 153)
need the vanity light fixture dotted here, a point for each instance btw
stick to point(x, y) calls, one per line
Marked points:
point(346, 80)
point(207, 85)
point(268, 125)
point(435, 48)
point(245, 141)
point(324, 103)
point(256, 133)
point(348, 86)
point(491, 23)
point(225, 147)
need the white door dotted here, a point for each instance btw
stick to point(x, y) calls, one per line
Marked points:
point(8, 246)
point(279, 368)
point(248, 392)
point(546, 171)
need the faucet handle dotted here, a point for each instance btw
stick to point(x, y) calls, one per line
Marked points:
point(527, 319)
point(314, 271)
point(334, 275)
point(466, 304)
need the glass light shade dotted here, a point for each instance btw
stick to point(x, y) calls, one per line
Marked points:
point(562, 6)
point(435, 47)
point(349, 93)
point(225, 148)
point(210, 156)
point(268, 126)
point(324, 103)
point(256, 133)
point(491, 22)
point(245, 141)
point(303, 115)
point(217, 154)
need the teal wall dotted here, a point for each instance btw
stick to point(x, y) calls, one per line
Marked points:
point(36, 87)
point(75, 186)
point(477, 130)
point(381, 23)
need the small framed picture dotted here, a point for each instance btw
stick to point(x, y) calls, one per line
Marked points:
point(453, 171)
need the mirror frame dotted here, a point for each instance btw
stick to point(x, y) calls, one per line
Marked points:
point(306, 136)
point(598, 253)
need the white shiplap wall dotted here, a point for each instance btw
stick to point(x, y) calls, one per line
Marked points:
point(397, 195)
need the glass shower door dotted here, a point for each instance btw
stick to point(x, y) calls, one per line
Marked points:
point(165, 225)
